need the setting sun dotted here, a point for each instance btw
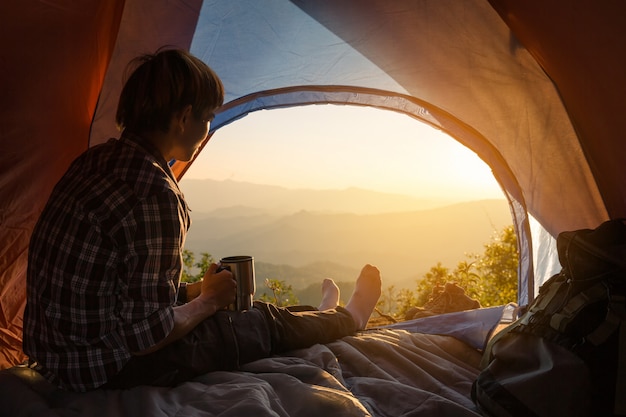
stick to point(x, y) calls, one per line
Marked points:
point(337, 147)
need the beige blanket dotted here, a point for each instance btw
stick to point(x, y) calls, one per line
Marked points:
point(378, 373)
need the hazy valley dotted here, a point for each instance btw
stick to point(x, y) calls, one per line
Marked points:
point(301, 236)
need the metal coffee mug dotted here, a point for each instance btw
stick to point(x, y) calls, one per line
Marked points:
point(242, 268)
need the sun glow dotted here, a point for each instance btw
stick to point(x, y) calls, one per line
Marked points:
point(337, 147)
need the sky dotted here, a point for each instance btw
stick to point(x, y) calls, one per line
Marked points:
point(337, 147)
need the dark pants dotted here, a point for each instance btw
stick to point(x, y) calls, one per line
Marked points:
point(231, 338)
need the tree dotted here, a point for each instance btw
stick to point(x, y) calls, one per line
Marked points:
point(283, 294)
point(194, 271)
point(404, 301)
point(497, 269)
point(387, 301)
point(436, 277)
point(491, 278)
point(466, 279)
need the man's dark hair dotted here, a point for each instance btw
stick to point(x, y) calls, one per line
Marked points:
point(163, 84)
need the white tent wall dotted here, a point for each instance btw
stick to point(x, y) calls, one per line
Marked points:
point(545, 255)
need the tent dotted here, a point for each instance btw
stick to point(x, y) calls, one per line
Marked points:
point(535, 88)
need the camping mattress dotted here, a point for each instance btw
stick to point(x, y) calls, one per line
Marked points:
point(381, 372)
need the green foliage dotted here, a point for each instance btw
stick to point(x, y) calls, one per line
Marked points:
point(497, 269)
point(437, 276)
point(387, 302)
point(283, 294)
point(194, 271)
point(405, 300)
point(306, 275)
point(491, 278)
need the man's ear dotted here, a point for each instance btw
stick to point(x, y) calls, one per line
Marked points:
point(182, 117)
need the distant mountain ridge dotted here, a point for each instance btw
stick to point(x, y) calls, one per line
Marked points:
point(403, 244)
point(208, 195)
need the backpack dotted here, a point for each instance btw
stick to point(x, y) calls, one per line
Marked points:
point(566, 354)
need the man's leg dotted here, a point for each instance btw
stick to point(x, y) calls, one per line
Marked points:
point(296, 330)
point(230, 338)
point(303, 329)
point(213, 345)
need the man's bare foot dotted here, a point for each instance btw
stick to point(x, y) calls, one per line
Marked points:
point(330, 295)
point(365, 296)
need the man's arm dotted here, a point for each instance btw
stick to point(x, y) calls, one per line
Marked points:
point(216, 291)
point(193, 290)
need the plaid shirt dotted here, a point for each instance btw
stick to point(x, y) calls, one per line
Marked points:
point(104, 264)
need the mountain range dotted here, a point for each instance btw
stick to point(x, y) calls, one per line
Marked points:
point(335, 232)
point(212, 196)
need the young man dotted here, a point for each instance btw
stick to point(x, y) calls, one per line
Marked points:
point(104, 304)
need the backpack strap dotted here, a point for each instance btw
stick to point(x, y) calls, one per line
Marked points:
point(547, 292)
point(559, 321)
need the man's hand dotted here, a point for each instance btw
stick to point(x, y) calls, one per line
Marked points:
point(218, 289)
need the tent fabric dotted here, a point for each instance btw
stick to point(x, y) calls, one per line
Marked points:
point(534, 88)
point(52, 66)
point(581, 47)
